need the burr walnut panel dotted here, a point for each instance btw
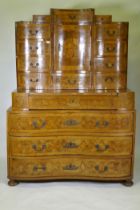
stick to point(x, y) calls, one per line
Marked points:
point(73, 100)
point(36, 123)
point(78, 145)
point(69, 167)
point(71, 45)
point(30, 30)
point(34, 81)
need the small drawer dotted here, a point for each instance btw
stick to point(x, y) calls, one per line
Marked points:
point(103, 18)
point(110, 48)
point(32, 47)
point(41, 123)
point(110, 81)
point(64, 145)
point(29, 30)
point(37, 63)
point(61, 16)
point(69, 167)
point(33, 81)
point(41, 18)
point(72, 81)
point(111, 64)
point(111, 31)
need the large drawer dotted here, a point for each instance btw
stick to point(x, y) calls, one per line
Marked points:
point(39, 123)
point(78, 145)
point(73, 100)
point(69, 167)
point(30, 30)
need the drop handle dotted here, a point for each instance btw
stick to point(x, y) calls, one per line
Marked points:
point(109, 65)
point(101, 149)
point(39, 168)
point(34, 65)
point(39, 125)
point(72, 81)
point(70, 167)
point(110, 49)
point(32, 80)
point(109, 79)
point(39, 149)
point(105, 169)
point(111, 32)
point(33, 47)
point(33, 32)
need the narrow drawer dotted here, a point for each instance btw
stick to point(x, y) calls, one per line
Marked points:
point(108, 81)
point(73, 100)
point(61, 16)
point(111, 31)
point(41, 18)
point(30, 30)
point(69, 167)
point(32, 47)
point(78, 145)
point(103, 18)
point(33, 81)
point(37, 63)
point(110, 48)
point(39, 123)
point(72, 81)
point(110, 64)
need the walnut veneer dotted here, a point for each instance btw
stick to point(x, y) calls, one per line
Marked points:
point(72, 116)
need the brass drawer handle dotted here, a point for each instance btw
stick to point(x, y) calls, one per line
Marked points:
point(99, 149)
point(37, 168)
point(110, 49)
point(111, 32)
point(36, 80)
point(109, 65)
point(98, 124)
point(70, 167)
point(37, 149)
point(33, 32)
point(70, 145)
point(38, 125)
point(72, 81)
point(109, 79)
point(105, 169)
point(72, 17)
point(71, 122)
point(33, 48)
point(34, 65)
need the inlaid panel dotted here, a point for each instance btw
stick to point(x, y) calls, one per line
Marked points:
point(30, 30)
point(72, 48)
point(69, 167)
point(34, 81)
point(36, 123)
point(70, 144)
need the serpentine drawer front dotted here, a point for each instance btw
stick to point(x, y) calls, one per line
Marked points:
point(72, 116)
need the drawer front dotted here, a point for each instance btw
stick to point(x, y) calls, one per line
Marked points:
point(72, 47)
point(32, 31)
point(110, 48)
point(38, 63)
point(41, 18)
point(111, 31)
point(72, 81)
point(111, 64)
point(40, 123)
point(69, 167)
point(103, 18)
point(32, 47)
point(72, 16)
point(34, 81)
point(78, 145)
point(110, 81)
